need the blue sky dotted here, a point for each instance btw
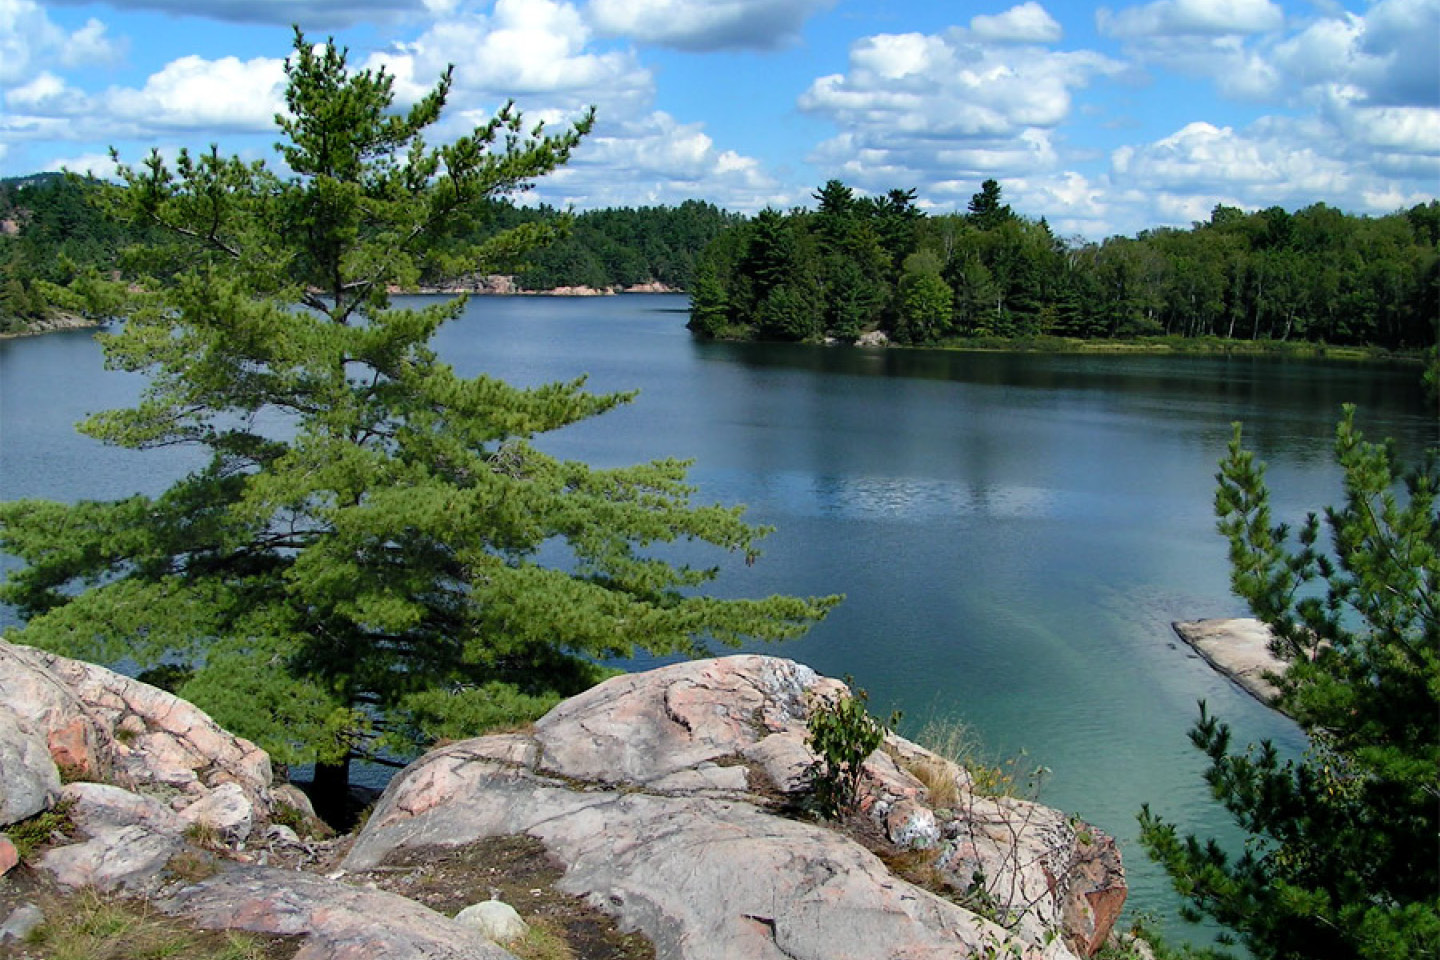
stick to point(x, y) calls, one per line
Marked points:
point(1104, 118)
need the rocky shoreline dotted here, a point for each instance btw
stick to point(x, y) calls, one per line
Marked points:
point(670, 804)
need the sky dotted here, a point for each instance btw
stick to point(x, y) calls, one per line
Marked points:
point(1103, 118)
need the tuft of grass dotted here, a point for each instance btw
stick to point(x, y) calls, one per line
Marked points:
point(543, 941)
point(204, 835)
point(938, 779)
point(991, 776)
point(35, 832)
point(192, 865)
point(91, 926)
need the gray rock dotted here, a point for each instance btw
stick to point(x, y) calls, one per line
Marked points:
point(226, 810)
point(22, 922)
point(341, 922)
point(29, 780)
point(129, 858)
point(495, 919)
point(99, 806)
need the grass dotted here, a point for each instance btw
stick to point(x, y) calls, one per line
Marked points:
point(30, 834)
point(991, 776)
point(88, 926)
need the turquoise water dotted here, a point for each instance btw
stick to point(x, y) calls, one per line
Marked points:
point(1014, 533)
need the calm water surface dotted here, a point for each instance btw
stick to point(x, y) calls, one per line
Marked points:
point(1014, 533)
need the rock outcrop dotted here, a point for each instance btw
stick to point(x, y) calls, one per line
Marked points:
point(667, 800)
point(1239, 648)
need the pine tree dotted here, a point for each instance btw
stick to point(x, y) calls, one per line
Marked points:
point(1343, 859)
point(357, 569)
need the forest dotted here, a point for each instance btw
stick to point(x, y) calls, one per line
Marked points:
point(855, 264)
point(51, 229)
point(852, 264)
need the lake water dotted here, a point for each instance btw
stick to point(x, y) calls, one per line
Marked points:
point(1014, 533)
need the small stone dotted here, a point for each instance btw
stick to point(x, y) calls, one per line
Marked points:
point(9, 856)
point(21, 923)
point(495, 919)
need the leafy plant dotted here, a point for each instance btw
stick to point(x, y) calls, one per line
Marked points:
point(843, 734)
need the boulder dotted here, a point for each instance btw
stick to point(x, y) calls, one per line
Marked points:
point(106, 727)
point(29, 780)
point(9, 856)
point(1239, 648)
point(128, 858)
point(495, 919)
point(21, 922)
point(629, 786)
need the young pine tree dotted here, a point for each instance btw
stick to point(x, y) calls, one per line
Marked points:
point(1343, 859)
point(356, 569)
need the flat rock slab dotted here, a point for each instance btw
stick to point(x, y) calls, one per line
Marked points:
point(1238, 647)
point(340, 922)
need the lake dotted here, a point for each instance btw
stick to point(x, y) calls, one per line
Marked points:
point(1014, 533)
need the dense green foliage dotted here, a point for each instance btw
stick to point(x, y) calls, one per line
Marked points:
point(618, 247)
point(1343, 859)
point(56, 230)
point(856, 264)
point(377, 553)
point(61, 231)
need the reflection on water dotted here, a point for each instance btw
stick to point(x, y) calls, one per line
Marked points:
point(1014, 533)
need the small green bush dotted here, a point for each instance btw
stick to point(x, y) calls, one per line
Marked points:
point(842, 733)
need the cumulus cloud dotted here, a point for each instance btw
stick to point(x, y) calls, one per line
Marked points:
point(1191, 18)
point(29, 40)
point(1027, 23)
point(193, 93)
point(706, 24)
point(655, 159)
point(1389, 55)
point(525, 49)
point(940, 109)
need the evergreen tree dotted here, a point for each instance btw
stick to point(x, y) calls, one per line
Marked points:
point(1343, 859)
point(358, 570)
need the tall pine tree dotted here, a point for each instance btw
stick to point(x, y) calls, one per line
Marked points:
point(1343, 858)
point(357, 569)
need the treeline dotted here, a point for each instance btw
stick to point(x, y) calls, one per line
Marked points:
point(617, 247)
point(50, 229)
point(858, 264)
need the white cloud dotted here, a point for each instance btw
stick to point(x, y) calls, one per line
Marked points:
point(526, 49)
point(193, 93)
point(29, 41)
point(937, 111)
point(45, 94)
point(653, 160)
point(1027, 23)
point(706, 24)
point(1169, 18)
